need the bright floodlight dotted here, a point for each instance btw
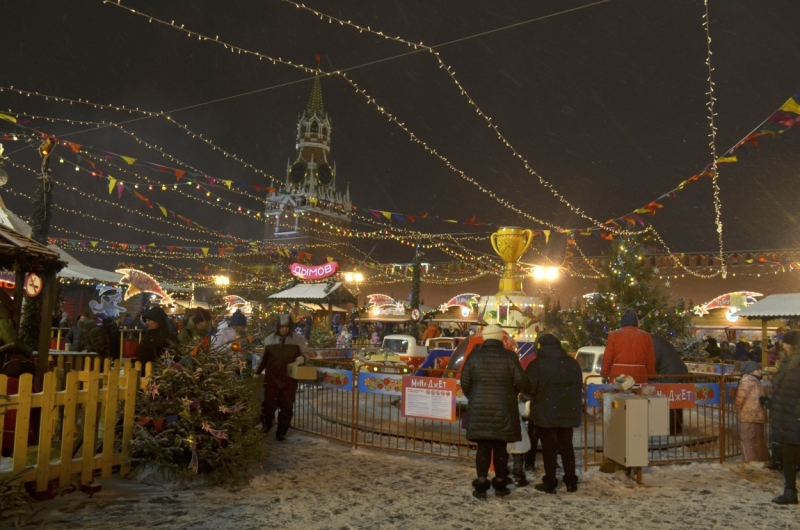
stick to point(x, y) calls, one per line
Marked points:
point(348, 276)
point(552, 273)
point(222, 280)
point(538, 273)
point(359, 277)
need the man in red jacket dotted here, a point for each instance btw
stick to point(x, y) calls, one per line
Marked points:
point(629, 351)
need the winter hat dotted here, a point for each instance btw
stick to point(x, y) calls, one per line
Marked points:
point(238, 319)
point(629, 318)
point(201, 315)
point(493, 332)
point(285, 320)
point(547, 339)
point(748, 367)
point(792, 338)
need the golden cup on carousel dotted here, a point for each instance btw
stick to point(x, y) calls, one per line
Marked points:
point(510, 243)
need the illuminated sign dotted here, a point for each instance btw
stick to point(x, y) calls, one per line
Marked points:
point(313, 272)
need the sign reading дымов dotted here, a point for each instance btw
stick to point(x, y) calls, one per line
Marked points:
point(313, 272)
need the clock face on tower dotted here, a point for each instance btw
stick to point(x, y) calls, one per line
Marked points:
point(324, 174)
point(298, 172)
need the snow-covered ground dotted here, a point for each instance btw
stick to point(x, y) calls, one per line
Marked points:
point(312, 482)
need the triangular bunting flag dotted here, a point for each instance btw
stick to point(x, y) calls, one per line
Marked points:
point(111, 183)
point(128, 159)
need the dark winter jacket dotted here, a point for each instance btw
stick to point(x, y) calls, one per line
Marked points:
point(491, 379)
point(668, 361)
point(114, 336)
point(73, 337)
point(93, 338)
point(556, 389)
point(276, 358)
point(785, 403)
point(154, 342)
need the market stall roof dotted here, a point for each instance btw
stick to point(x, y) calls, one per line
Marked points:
point(316, 307)
point(773, 306)
point(30, 255)
point(318, 293)
point(78, 271)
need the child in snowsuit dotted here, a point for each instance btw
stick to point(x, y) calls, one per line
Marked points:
point(751, 414)
point(518, 450)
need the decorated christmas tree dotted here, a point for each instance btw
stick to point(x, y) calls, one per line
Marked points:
point(626, 283)
point(198, 416)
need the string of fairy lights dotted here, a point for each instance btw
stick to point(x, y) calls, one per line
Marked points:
point(713, 141)
point(719, 230)
point(371, 101)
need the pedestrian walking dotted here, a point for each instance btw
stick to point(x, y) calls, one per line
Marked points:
point(281, 349)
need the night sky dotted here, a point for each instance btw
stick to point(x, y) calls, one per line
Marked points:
point(607, 103)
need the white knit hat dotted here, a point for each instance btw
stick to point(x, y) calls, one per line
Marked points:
point(493, 332)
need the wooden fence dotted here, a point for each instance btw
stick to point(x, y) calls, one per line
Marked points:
point(85, 421)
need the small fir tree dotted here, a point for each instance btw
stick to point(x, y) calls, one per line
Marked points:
point(197, 416)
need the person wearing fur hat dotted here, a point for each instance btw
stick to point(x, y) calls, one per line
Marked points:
point(231, 331)
point(281, 349)
point(491, 379)
point(751, 414)
point(155, 339)
point(784, 409)
point(556, 383)
point(629, 350)
point(201, 327)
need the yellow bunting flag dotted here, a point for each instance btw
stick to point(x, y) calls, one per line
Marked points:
point(111, 183)
point(387, 215)
point(163, 210)
point(228, 183)
point(205, 250)
point(727, 159)
point(6, 117)
point(128, 159)
point(94, 243)
point(546, 235)
point(791, 106)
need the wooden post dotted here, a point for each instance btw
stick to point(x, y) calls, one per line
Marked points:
point(19, 278)
point(49, 294)
point(330, 314)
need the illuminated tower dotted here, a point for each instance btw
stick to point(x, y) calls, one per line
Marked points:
point(309, 209)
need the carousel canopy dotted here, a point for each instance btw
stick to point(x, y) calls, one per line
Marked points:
point(333, 293)
point(773, 306)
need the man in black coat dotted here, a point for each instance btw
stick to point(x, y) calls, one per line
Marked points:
point(556, 408)
point(669, 362)
point(785, 414)
point(281, 349)
point(491, 379)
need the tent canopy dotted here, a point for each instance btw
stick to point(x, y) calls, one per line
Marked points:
point(773, 306)
point(319, 293)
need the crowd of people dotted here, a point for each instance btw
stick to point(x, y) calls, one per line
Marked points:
point(511, 409)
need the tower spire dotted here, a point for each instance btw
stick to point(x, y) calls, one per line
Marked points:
point(315, 102)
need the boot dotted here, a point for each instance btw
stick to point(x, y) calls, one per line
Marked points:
point(547, 485)
point(571, 483)
point(280, 435)
point(500, 486)
point(481, 487)
point(520, 480)
point(788, 497)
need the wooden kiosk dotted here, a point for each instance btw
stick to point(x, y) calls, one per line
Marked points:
point(34, 266)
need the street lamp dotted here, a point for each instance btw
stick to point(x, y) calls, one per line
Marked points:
point(545, 273)
point(354, 277)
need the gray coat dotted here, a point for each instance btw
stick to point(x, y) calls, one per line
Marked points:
point(491, 380)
